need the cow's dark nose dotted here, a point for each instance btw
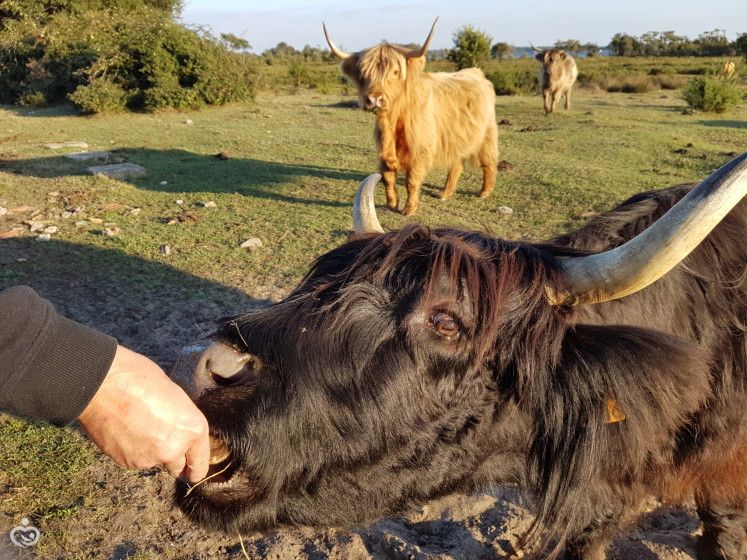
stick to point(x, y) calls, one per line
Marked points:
point(218, 365)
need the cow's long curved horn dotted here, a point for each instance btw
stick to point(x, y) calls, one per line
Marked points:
point(364, 211)
point(422, 51)
point(342, 55)
point(655, 251)
point(535, 49)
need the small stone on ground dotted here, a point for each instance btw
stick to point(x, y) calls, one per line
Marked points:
point(208, 204)
point(505, 210)
point(44, 237)
point(88, 156)
point(165, 249)
point(252, 244)
point(119, 171)
point(72, 144)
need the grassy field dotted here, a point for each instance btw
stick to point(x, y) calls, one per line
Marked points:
point(293, 164)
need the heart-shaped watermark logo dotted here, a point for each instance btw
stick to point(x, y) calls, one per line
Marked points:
point(25, 534)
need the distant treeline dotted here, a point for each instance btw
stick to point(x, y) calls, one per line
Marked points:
point(653, 43)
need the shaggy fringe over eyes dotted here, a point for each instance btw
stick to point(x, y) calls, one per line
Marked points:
point(376, 61)
point(511, 324)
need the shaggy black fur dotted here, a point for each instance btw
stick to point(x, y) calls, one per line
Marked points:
point(368, 402)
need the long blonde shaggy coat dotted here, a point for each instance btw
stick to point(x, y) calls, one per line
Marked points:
point(424, 120)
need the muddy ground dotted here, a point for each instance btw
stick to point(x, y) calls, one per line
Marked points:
point(123, 514)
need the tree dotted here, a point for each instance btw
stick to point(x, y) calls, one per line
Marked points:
point(713, 43)
point(571, 45)
point(741, 44)
point(501, 51)
point(623, 44)
point(471, 46)
point(235, 42)
point(592, 49)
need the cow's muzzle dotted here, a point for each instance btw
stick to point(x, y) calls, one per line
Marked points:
point(201, 367)
point(373, 103)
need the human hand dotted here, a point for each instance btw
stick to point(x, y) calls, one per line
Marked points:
point(140, 418)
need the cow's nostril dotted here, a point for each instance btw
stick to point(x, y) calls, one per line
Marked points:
point(248, 371)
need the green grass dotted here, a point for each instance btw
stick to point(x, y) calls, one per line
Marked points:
point(294, 164)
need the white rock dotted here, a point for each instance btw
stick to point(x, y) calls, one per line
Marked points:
point(135, 211)
point(180, 201)
point(189, 122)
point(66, 214)
point(119, 171)
point(252, 244)
point(51, 229)
point(44, 237)
point(89, 156)
point(165, 250)
point(111, 231)
point(208, 204)
point(164, 183)
point(81, 223)
point(505, 210)
point(73, 144)
point(3, 211)
point(36, 226)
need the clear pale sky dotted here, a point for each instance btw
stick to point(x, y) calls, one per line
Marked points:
point(359, 24)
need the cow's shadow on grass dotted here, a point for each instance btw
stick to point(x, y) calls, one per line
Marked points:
point(181, 171)
point(148, 306)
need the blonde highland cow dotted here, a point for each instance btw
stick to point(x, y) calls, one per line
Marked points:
point(424, 120)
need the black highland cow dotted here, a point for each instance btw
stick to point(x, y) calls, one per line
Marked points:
point(594, 370)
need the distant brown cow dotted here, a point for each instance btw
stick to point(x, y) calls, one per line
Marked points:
point(424, 120)
point(729, 69)
point(556, 77)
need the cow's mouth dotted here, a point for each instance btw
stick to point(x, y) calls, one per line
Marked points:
point(222, 463)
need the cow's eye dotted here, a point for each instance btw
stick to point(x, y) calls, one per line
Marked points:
point(445, 325)
point(396, 72)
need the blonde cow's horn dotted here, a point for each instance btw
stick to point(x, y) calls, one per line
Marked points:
point(658, 249)
point(342, 55)
point(364, 211)
point(422, 51)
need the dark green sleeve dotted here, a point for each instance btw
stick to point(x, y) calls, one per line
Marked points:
point(50, 367)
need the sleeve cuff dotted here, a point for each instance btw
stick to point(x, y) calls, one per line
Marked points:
point(63, 379)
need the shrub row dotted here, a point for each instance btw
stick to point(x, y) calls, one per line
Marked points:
point(106, 60)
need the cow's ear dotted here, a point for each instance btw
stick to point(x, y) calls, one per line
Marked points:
point(349, 67)
point(416, 63)
point(563, 56)
point(540, 57)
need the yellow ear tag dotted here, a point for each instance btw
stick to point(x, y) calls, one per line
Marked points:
point(614, 414)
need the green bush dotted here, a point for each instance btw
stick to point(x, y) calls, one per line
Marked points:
point(471, 47)
point(711, 94)
point(32, 99)
point(513, 82)
point(109, 59)
point(100, 96)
